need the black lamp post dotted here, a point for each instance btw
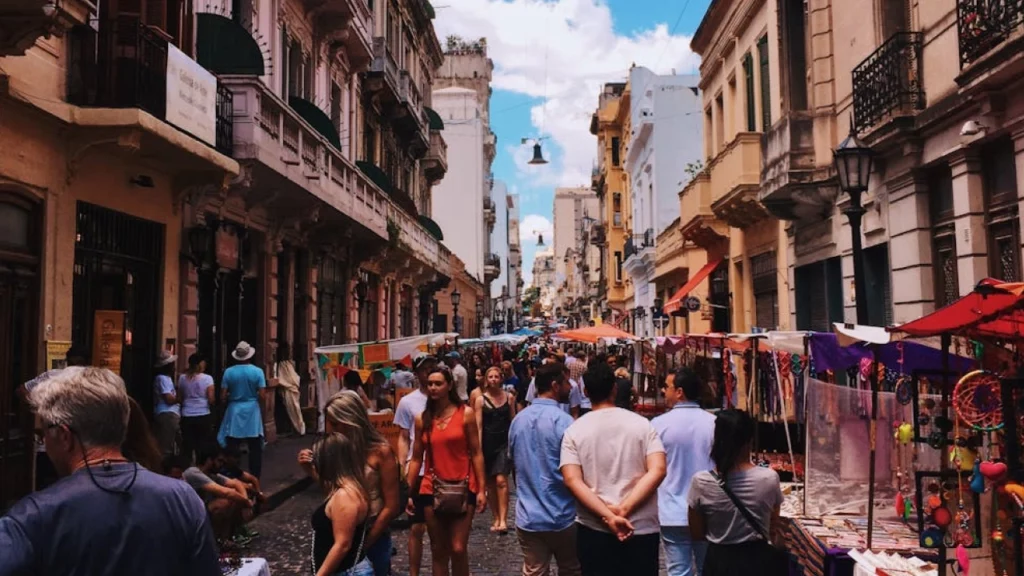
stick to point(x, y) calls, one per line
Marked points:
point(853, 161)
point(456, 298)
point(479, 308)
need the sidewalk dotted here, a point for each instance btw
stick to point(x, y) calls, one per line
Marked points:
point(282, 478)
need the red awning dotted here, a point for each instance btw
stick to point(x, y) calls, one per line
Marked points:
point(991, 309)
point(676, 302)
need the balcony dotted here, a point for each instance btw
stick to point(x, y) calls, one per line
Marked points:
point(490, 144)
point(435, 163)
point(411, 115)
point(492, 267)
point(383, 75)
point(735, 180)
point(887, 84)
point(791, 181)
point(982, 25)
point(22, 22)
point(283, 147)
point(640, 254)
point(597, 235)
point(344, 25)
point(697, 222)
point(490, 215)
point(991, 43)
point(125, 66)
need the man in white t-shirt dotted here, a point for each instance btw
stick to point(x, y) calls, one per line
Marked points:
point(459, 374)
point(613, 463)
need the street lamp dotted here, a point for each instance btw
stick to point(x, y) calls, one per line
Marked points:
point(853, 160)
point(479, 309)
point(456, 298)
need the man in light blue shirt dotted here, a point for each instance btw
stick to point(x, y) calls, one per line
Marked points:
point(687, 432)
point(545, 510)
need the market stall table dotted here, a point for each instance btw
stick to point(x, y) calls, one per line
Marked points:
point(250, 567)
point(820, 546)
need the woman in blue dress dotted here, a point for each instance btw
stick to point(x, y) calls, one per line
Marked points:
point(243, 388)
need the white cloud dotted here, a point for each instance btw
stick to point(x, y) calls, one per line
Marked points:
point(564, 50)
point(529, 227)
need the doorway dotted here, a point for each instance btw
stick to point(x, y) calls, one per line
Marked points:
point(228, 313)
point(118, 266)
point(19, 268)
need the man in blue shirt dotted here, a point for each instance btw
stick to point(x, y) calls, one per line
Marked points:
point(545, 510)
point(687, 432)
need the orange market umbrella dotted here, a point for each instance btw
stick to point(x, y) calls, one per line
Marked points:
point(594, 334)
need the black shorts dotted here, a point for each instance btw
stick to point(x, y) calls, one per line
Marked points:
point(420, 502)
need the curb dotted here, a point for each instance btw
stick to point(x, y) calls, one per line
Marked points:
point(281, 496)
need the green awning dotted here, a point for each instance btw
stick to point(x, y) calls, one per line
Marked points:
point(432, 227)
point(435, 119)
point(376, 175)
point(429, 9)
point(316, 117)
point(224, 46)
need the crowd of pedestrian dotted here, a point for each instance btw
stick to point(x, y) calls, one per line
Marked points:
point(600, 489)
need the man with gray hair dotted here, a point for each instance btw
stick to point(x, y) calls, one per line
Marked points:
point(106, 515)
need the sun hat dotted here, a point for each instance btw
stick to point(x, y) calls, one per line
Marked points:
point(164, 358)
point(243, 351)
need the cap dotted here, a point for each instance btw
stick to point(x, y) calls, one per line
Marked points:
point(453, 355)
point(422, 359)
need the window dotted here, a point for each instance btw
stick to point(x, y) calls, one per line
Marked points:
point(719, 123)
point(331, 305)
point(763, 273)
point(294, 70)
point(719, 297)
point(819, 295)
point(999, 174)
point(940, 195)
point(369, 141)
point(369, 310)
point(616, 209)
point(405, 310)
point(794, 38)
point(336, 106)
point(615, 150)
point(876, 280)
point(766, 90)
point(748, 77)
point(618, 267)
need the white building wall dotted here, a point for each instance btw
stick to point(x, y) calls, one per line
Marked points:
point(458, 200)
point(500, 237)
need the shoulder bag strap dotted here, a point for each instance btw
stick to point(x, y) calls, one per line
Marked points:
point(747, 514)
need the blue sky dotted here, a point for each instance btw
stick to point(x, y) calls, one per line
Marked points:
point(550, 59)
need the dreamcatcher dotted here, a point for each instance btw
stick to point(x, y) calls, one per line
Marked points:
point(977, 401)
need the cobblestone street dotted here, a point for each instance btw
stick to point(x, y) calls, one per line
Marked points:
point(284, 542)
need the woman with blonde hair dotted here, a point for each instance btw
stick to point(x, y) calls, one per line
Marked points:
point(341, 523)
point(494, 410)
point(345, 414)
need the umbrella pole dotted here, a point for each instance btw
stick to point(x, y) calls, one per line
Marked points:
point(873, 434)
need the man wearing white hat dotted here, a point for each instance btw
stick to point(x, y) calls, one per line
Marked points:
point(243, 388)
point(166, 404)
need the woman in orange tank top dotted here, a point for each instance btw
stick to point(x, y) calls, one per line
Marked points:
point(446, 433)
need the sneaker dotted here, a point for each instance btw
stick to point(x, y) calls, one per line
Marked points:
point(248, 532)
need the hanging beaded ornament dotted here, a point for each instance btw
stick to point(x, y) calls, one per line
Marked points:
point(976, 400)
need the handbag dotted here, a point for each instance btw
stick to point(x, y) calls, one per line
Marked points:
point(450, 497)
point(773, 560)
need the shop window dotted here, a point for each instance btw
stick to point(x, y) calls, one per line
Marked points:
point(940, 195)
point(1000, 180)
point(763, 274)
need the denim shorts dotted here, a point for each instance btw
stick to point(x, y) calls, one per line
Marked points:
point(364, 568)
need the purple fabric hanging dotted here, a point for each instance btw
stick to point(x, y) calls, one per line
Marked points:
point(828, 355)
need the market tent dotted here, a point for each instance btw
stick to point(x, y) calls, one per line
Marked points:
point(992, 309)
point(676, 301)
point(527, 332)
point(594, 334)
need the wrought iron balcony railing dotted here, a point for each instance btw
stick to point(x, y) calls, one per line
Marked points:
point(983, 24)
point(124, 65)
point(888, 82)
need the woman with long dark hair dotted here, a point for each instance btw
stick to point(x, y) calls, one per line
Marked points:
point(738, 544)
point(342, 521)
point(345, 414)
point(446, 433)
point(197, 397)
point(494, 410)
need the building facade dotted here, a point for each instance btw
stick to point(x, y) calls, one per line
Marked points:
point(611, 184)
point(463, 201)
point(664, 139)
point(279, 194)
point(577, 260)
point(544, 278)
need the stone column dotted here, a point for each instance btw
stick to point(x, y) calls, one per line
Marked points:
point(969, 223)
point(910, 248)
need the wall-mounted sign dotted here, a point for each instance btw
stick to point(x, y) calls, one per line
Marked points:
point(226, 246)
point(191, 96)
point(57, 354)
point(108, 339)
point(692, 303)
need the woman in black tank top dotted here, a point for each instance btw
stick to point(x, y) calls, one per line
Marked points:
point(340, 474)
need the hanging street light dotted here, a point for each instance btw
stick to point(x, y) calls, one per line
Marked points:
point(538, 156)
point(540, 240)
